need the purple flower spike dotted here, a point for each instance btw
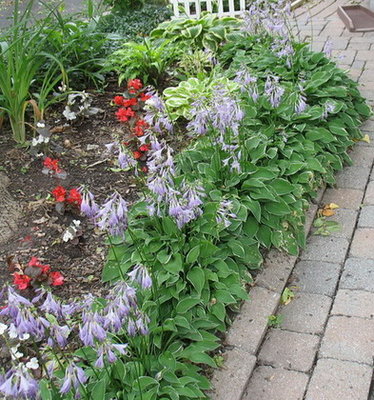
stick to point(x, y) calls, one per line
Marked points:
point(74, 378)
point(140, 275)
point(273, 90)
point(89, 208)
point(112, 216)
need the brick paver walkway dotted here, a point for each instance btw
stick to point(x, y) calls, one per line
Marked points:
point(325, 346)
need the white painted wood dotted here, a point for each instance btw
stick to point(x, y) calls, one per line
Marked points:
point(220, 8)
point(198, 8)
point(231, 8)
point(208, 5)
point(187, 9)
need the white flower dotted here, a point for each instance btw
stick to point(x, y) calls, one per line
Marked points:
point(68, 235)
point(24, 336)
point(3, 328)
point(15, 354)
point(76, 222)
point(40, 125)
point(12, 332)
point(32, 364)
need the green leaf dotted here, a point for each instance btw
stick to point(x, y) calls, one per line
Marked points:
point(45, 391)
point(186, 304)
point(197, 277)
point(99, 390)
point(236, 248)
point(193, 255)
point(175, 265)
point(282, 186)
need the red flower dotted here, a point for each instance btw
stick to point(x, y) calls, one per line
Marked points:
point(74, 197)
point(139, 127)
point(144, 147)
point(52, 164)
point(118, 100)
point(21, 280)
point(145, 169)
point(137, 154)
point(144, 97)
point(123, 114)
point(135, 84)
point(56, 278)
point(138, 131)
point(59, 193)
point(130, 102)
point(127, 144)
point(34, 262)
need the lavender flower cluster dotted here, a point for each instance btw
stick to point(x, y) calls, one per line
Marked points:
point(110, 217)
point(271, 17)
point(223, 114)
point(182, 201)
point(42, 334)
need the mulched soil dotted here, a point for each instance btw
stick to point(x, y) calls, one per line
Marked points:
point(81, 150)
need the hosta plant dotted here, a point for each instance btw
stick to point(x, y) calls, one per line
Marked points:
point(207, 32)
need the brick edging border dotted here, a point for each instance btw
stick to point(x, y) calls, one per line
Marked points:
point(248, 330)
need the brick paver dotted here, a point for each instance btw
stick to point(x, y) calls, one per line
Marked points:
point(289, 350)
point(366, 217)
point(266, 383)
point(328, 249)
point(336, 379)
point(356, 303)
point(349, 338)
point(363, 243)
point(306, 313)
point(358, 274)
point(327, 335)
point(305, 273)
point(344, 198)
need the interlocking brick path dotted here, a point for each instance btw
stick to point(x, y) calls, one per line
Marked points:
point(324, 348)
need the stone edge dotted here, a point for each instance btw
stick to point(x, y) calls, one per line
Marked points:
point(232, 367)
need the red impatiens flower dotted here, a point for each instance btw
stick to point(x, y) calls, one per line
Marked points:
point(137, 154)
point(59, 193)
point(123, 114)
point(135, 84)
point(118, 100)
point(144, 147)
point(130, 102)
point(56, 278)
point(144, 97)
point(52, 164)
point(74, 197)
point(22, 281)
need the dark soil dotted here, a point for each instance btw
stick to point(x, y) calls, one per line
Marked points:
point(80, 147)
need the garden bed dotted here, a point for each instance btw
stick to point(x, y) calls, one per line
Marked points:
point(201, 179)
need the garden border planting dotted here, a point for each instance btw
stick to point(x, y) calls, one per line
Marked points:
point(242, 128)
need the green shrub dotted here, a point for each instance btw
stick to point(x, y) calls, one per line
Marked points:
point(132, 25)
point(148, 61)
